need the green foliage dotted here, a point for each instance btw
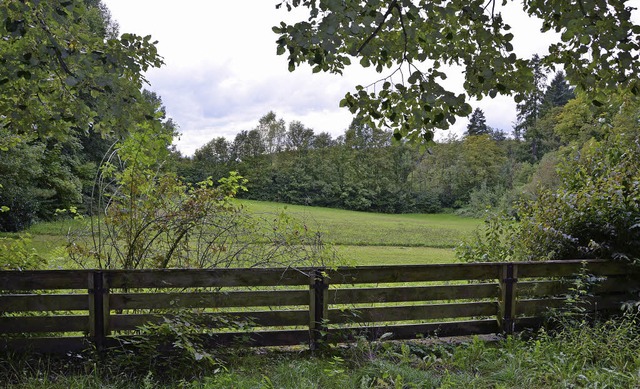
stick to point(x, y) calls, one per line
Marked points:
point(20, 169)
point(366, 169)
point(148, 218)
point(594, 211)
point(497, 241)
point(414, 41)
point(484, 200)
point(455, 169)
point(62, 70)
point(179, 347)
point(16, 253)
point(70, 87)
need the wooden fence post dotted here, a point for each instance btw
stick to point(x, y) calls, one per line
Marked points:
point(98, 308)
point(318, 308)
point(508, 281)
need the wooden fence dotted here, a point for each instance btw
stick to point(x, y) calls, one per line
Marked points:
point(69, 310)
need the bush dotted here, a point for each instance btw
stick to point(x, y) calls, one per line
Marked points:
point(593, 213)
point(180, 347)
point(16, 253)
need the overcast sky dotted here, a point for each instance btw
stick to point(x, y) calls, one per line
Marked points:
point(221, 71)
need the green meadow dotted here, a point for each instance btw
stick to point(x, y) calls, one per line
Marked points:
point(359, 238)
point(363, 238)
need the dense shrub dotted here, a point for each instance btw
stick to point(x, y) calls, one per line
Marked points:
point(593, 213)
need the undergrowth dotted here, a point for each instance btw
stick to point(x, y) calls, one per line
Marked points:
point(580, 354)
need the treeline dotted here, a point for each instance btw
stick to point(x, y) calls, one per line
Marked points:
point(366, 169)
point(360, 170)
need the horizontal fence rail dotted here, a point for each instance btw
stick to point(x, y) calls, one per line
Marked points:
point(69, 310)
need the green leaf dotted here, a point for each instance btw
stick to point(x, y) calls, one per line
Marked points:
point(71, 81)
point(24, 74)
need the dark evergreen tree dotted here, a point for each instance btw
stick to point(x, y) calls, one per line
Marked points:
point(558, 93)
point(529, 109)
point(477, 123)
point(497, 135)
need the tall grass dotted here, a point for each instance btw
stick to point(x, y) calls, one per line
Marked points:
point(604, 355)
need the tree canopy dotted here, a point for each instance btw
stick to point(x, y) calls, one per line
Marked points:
point(63, 69)
point(70, 86)
point(413, 41)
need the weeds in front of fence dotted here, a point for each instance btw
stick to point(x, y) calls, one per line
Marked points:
point(580, 354)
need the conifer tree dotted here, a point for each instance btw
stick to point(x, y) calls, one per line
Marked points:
point(477, 123)
point(558, 93)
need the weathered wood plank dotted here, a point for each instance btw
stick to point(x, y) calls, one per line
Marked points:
point(49, 345)
point(563, 287)
point(412, 331)
point(536, 307)
point(408, 293)
point(216, 320)
point(413, 273)
point(196, 278)
point(541, 288)
point(572, 267)
point(44, 302)
point(208, 299)
point(622, 284)
point(407, 313)
point(43, 279)
point(33, 324)
point(233, 339)
point(263, 338)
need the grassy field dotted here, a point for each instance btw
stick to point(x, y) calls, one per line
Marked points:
point(360, 238)
point(374, 239)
